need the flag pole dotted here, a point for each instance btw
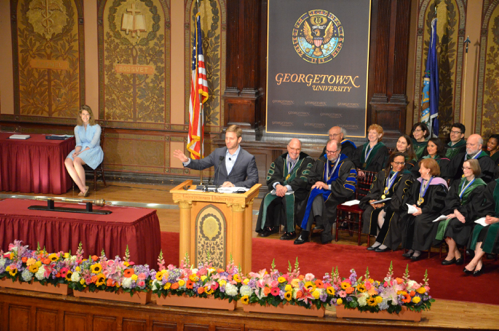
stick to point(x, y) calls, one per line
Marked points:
point(201, 137)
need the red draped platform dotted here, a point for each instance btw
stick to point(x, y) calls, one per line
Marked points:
point(136, 227)
point(34, 165)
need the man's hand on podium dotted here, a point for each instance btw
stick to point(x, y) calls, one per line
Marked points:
point(181, 156)
point(227, 184)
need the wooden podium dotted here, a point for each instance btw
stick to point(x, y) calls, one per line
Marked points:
point(216, 224)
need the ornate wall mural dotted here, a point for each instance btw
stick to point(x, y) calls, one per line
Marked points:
point(48, 56)
point(211, 237)
point(487, 117)
point(134, 60)
point(450, 29)
point(213, 26)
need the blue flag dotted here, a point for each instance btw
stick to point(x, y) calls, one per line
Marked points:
point(429, 102)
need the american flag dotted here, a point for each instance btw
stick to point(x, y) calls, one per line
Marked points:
point(199, 95)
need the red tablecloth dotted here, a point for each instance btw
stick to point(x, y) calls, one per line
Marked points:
point(34, 165)
point(136, 227)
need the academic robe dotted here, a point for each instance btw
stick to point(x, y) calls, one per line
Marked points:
point(419, 147)
point(419, 231)
point(376, 159)
point(488, 235)
point(348, 148)
point(343, 182)
point(390, 234)
point(487, 165)
point(468, 206)
point(458, 147)
point(286, 210)
point(443, 163)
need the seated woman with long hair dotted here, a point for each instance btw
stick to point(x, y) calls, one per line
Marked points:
point(461, 209)
point(435, 149)
point(427, 195)
point(87, 151)
point(485, 239)
point(404, 145)
point(381, 219)
point(493, 148)
point(419, 133)
point(372, 155)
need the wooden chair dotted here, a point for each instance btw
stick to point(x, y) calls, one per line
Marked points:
point(100, 167)
point(352, 215)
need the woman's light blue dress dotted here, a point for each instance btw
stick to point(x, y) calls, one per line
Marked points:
point(90, 138)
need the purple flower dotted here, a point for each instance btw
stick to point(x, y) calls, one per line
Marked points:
point(349, 299)
point(333, 301)
point(323, 296)
point(252, 283)
point(281, 294)
point(222, 288)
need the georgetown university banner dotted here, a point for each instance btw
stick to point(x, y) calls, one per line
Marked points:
point(318, 53)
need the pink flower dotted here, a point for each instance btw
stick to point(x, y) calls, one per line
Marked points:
point(385, 284)
point(141, 283)
point(427, 288)
point(142, 276)
point(88, 281)
point(342, 294)
point(229, 277)
point(368, 285)
point(309, 277)
point(415, 286)
point(274, 283)
point(214, 286)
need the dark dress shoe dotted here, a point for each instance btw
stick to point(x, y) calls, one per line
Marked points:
point(468, 272)
point(490, 256)
point(449, 262)
point(265, 233)
point(382, 250)
point(477, 273)
point(416, 258)
point(372, 248)
point(460, 261)
point(288, 236)
point(319, 228)
point(408, 254)
point(301, 240)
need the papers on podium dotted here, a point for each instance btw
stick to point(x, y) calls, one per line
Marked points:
point(351, 203)
point(20, 136)
point(481, 221)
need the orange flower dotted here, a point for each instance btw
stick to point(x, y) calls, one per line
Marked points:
point(58, 275)
point(299, 294)
point(219, 270)
point(349, 290)
point(110, 282)
point(266, 291)
point(413, 293)
point(319, 283)
point(200, 290)
point(301, 277)
point(24, 259)
point(399, 280)
point(189, 284)
point(174, 286)
point(407, 298)
point(128, 273)
point(46, 261)
point(93, 279)
point(95, 258)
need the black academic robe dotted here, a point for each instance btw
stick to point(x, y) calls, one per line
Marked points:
point(470, 208)
point(390, 233)
point(419, 147)
point(487, 165)
point(376, 160)
point(276, 211)
point(458, 147)
point(419, 231)
point(348, 148)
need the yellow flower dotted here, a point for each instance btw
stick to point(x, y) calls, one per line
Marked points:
point(67, 256)
point(401, 292)
point(361, 288)
point(345, 285)
point(68, 276)
point(53, 257)
point(96, 268)
point(13, 271)
point(246, 281)
point(295, 283)
point(281, 279)
point(288, 295)
point(203, 278)
point(126, 264)
point(288, 288)
point(101, 280)
point(194, 277)
point(379, 299)
point(181, 282)
point(373, 291)
point(330, 290)
point(30, 261)
point(167, 286)
point(8, 268)
point(11, 256)
point(77, 269)
point(82, 281)
point(135, 277)
point(245, 300)
point(310, 286)
point(316, 293)
point(210, 291)
point(421, 290)
point(371, 302)
point(222, 282)
point(416, 299)
point(237, 278)
point(339, 301)
point(39, 263)
point(159, 275)
point(33, 268)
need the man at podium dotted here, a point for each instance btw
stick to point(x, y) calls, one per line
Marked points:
point(233, 165)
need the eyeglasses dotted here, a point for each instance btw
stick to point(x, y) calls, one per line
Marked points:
point(332, 152)
point(418, 130)
point(455, 132)
point(464, 168)
point(399, 163)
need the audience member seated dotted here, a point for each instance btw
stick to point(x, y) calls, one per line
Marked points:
point(460, 209)
point(485, 239)
point(287, 180)
point(382, 219)
point(233, 165)
point(87, 151)
point(457, 143)
point(493, 148)
point(419, 134)
point(427, 195)
point(404, 145)
point(372, 155)
point(473, 151)
point(334, 179)
point(435, 149)
point(348, 147)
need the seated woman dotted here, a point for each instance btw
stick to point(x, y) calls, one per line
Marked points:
point(435, 149)
point(493, 148)
point(419, 134)
point(404, 145)
point(87, 151)
point(381, 219)
point(427, 195)
point(460, 210)
point(485, 239)
point(372, 155)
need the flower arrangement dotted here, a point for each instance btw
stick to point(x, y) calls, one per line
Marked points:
point(275, 288)
point(366, 294)
point(101, 273)
point(203, 281)
point(25, 265)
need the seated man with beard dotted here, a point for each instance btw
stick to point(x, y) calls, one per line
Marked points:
point(287, 179)
point(334, 179)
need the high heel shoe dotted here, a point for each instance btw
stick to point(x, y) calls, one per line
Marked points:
point(468, 272)
point(477, 273)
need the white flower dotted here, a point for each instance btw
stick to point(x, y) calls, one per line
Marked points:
point(75, 277)
point(2, 261)
point(40, 273)
point(309, 277)
point(245, 290)
point(156, 284)
point(362, 301)
point(231, 289)
point(127, 282)
point(194, 270)
point(26, 275)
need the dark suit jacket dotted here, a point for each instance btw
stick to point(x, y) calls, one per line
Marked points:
point(244, 173)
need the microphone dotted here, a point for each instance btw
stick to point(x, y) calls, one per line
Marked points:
point(221, 158)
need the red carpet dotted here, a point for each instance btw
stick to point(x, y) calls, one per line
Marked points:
point(446, 282)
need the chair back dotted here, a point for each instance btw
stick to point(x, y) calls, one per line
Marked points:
point(364, 184)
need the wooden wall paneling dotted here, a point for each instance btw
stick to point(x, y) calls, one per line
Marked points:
point(262, 67)
point(196, 327)
point(104, 323)
point(159, 326)
point(46, 320)
point(75, 322)
point(19, 318)
point(380, 61)
point(134, 325)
